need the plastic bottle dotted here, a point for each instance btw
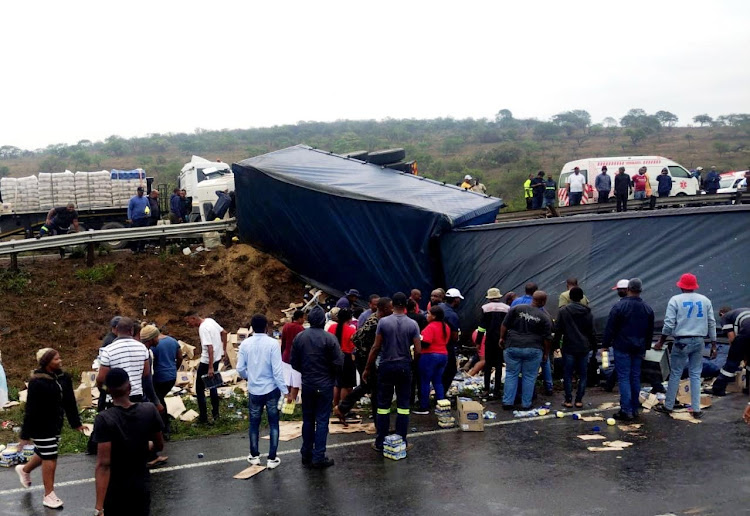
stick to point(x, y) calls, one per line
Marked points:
point(605, 359)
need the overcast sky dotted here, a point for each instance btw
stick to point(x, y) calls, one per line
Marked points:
point(87, 70)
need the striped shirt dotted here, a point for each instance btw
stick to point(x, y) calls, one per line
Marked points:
point(129, 354)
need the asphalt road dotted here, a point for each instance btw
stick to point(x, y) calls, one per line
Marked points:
point(515, 467)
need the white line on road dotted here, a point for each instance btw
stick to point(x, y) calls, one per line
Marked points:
point(348, 444)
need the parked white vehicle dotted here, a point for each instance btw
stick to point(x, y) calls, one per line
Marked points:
point(682, 182)
point(731, 182)
point(201, 179)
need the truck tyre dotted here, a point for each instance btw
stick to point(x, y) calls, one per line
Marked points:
point(360, 155)
point(113, 244)
point(386, 156)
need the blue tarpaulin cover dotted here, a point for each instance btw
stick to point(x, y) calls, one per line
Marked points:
point(656, 246)
point(342, 223)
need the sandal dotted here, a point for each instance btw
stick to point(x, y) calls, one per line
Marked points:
point(579, 404)
point(567, 404)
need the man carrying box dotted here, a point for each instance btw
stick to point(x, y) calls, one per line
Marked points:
point(689, 318)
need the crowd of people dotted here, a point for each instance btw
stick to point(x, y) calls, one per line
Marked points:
point(399, 350)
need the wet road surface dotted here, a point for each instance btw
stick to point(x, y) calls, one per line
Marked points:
point(514, 467)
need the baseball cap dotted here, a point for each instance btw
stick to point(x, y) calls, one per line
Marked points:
point(623, 283)
point(467, 176)
point(699, 168)
point(453, 292)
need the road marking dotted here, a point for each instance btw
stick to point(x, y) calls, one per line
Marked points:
point(347, 444)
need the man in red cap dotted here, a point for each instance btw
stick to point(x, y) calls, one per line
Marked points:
point(689, 319)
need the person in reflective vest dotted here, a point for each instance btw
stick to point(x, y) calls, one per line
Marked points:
point(528, 192)
point(550, 192)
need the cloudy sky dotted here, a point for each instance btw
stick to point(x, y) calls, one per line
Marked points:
point(87, 70)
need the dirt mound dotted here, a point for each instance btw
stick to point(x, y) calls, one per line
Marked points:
point(56, 308)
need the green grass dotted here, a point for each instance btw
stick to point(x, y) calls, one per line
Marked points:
point(100, 274)
point(14, 282)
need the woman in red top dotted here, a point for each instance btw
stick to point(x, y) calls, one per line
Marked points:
point(343, 330)
point(434, 358)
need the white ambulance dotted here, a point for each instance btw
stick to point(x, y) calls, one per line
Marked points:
point(683, 183)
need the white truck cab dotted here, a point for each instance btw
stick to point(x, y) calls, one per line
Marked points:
point(201, 179)
point(683, 183)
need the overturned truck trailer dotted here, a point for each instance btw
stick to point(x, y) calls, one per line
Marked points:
point(656, 246)
point(342, 223)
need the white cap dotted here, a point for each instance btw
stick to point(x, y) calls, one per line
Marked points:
point(699, 168)
point(623, 283)
point(454, 292)
point(467, 177)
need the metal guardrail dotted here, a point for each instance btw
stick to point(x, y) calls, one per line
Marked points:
point(609, 207)
point(107, 235)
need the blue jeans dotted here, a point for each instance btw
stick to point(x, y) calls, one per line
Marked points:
point(548, 202)
point(393, 376)
point(316, 411)
point(580, 363)
point(521, 361)
point(574, 198)
point(686, 350)
point(431, 367)
point(640, 194)
point(628, 368)
point(255, 405)
point(547, 373)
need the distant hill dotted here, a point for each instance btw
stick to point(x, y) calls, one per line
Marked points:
point(500, 152)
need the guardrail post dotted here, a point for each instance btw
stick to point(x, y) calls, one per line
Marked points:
point(163, 243)
point(90, 254)
point(14, 261)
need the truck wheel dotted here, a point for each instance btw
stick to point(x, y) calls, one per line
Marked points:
point(386, 156)
point(681, 194)
point(113, 244)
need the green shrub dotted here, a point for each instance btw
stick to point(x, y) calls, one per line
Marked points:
point(100, 274)
point(14, 281)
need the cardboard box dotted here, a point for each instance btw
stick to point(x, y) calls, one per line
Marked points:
point(184, 379)
point(89, 378)
point(83, 397)
point(470, 416)
point(683, 395)
point(657, 360)
point(242, 334)
point(232, 355)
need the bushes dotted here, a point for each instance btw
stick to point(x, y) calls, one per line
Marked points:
point(101, 274)
point(14, 281)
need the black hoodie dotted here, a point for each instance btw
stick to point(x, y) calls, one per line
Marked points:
point(575, 326)
point(50, 398)
point(316, 353)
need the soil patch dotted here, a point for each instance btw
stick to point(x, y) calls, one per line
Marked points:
point(57, 309)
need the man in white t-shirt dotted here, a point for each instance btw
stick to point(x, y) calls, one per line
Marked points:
point(575, 183)
point(213, 347)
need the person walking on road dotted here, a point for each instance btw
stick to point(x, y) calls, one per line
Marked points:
point(525, 335)
point(737, 325)
point(126, 436)
point(603, 185)
point(665, 183)
point(213, 347)
point(393, 339)
point(50, 399)
point(630, 330)
point(317, 356)
point(259, 362)
point(453, 298)
point(575, 183)
point(167, 360)
point(363, 340)
point(574, 334)
point(689, 319)
point(139, 216)
point(488, 335)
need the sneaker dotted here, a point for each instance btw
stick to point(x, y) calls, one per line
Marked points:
point(52, 501)
point(622, 416)
point(254, 461)
point(697, 415)
point(273, 463)
point(24, 477)
point(377, 448)
point(325, 463)
point(661, 408)
point(420, 412)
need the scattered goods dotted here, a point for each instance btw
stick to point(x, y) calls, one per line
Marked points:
point(394, 447)
point(591, 437)
point(249, 472)
point(444, 415)
point(611, 421)
point(470, 415)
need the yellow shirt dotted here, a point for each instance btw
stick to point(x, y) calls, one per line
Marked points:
point(528, 192)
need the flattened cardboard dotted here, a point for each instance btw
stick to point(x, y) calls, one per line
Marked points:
point(249, 472)
point(288, 430)
point(22, 395)
point(684, 416)
point(684, 392)
point(175, 406)
point(88, 378)
point(187, 349)
point(589, 419)
point(83, 397)
point(190, 415)
point(592, 437)
point(739, 381)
